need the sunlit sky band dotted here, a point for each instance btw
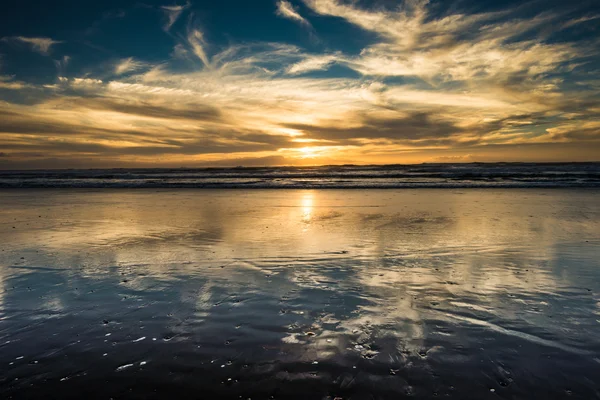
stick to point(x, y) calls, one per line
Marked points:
point(299, 82)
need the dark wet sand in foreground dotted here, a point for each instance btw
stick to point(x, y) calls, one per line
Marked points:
point(300, 294)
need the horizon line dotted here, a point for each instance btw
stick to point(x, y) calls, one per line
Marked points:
point(304, 166)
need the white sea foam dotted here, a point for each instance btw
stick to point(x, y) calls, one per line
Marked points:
point(373, 176)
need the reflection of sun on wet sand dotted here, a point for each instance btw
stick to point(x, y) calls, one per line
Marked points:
point(307, 206)
point(378, 292)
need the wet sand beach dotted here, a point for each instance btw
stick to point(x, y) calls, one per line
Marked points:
point(300, 294)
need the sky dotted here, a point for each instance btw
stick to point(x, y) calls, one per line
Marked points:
point(102, 84)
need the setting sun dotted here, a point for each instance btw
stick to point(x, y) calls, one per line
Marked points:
point(308, 152)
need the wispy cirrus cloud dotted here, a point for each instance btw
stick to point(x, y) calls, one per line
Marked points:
point(456, 47)
point(41, 45)
point(61, 64)
point(285, 9)
point(127, 65)
point(172, 13)
point(197, 43)
point(313, 63)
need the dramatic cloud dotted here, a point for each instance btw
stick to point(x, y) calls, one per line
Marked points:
point(424, 85)
point(457, 47)
point(41, 45)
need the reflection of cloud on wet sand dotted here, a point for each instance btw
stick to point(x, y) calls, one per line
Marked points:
point(388, 278)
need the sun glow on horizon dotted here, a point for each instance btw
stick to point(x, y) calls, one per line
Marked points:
point(308, 152)
point(423, 85)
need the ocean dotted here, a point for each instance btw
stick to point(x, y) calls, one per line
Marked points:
point(478, 175)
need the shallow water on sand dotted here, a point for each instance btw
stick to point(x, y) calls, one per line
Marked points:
point(308, 294)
